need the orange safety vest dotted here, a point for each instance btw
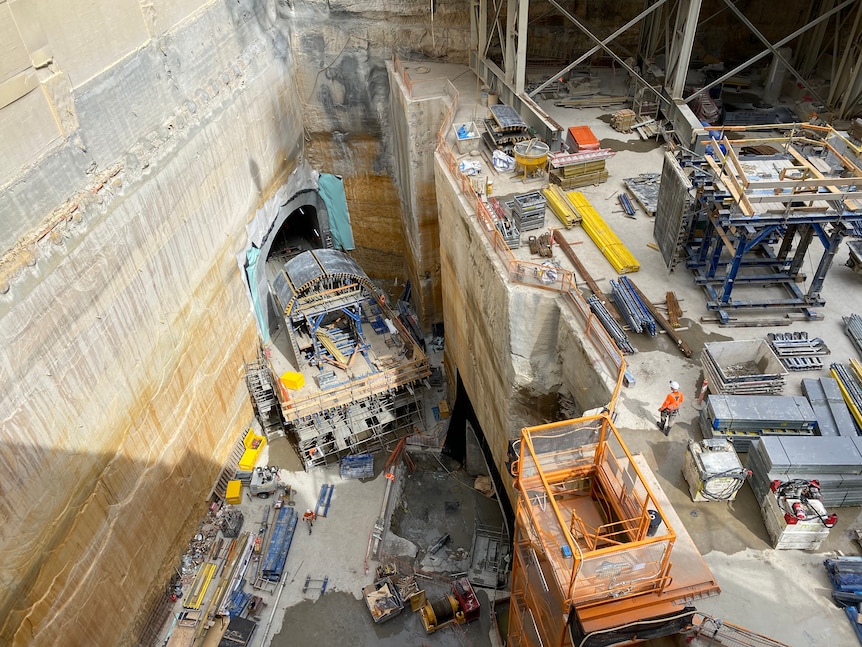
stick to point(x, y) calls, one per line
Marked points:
point(672, 401)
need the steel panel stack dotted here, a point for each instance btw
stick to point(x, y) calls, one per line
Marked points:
point(747, 367)
point(741, 418)
point(834, 461)
point(833, 416)
point(528, 211)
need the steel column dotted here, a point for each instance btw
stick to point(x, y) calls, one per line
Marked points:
point(834, 242)
point(806, 233)
point(596, 48)
point(774, 50)
point(780, 43)
point(680, 53)
point(595, 39)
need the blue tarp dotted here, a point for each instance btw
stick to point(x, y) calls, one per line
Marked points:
point(250, 263)
point(331, 190)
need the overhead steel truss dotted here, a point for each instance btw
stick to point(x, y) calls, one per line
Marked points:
point(834, 27)
point(754, 216)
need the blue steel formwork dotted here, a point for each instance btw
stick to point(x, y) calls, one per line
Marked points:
point(279, 544)
point(754, 213)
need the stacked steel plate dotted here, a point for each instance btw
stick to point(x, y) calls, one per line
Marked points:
point(528, 211)
point(742, 418)
point(797, 351)
point(833, 416)
point(836, 462)
point(853, 328)
point(747, 367)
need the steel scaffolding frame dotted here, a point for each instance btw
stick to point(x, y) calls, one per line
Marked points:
point(749, 229)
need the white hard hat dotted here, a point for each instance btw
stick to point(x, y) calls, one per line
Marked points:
point(674, 386)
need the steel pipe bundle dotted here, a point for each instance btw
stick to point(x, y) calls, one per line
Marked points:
point(850, 387)
point(632, 308)
point(853, 328)
point(602, 235)
point(611, 326)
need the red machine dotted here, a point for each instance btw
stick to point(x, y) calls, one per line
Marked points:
point(800, 500)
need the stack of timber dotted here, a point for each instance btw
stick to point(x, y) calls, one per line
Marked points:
point(845, 575)
point(623, 120)
point(573, 170)
point(836, 462)
point(603, 236)
point(742, 418)
point(797, 352)
point(833, 416)
point(849, 378)
point(561, 207)
point(745, 367)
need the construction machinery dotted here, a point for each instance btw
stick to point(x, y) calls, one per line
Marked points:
point(795, 516)
point(265, 481)
point(458, 607)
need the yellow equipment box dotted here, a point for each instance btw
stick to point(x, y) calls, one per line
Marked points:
point(293, 381)
point(254, 444)
point(233, 492)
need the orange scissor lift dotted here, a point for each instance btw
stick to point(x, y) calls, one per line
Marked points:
point(600, 557)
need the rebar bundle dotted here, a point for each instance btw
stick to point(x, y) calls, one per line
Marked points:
point(611, 326)
point(632, 308)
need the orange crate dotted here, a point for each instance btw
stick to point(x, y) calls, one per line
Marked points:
point(581, 138)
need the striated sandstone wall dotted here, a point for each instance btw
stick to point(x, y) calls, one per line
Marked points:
point(516, 348)
point(123, 320)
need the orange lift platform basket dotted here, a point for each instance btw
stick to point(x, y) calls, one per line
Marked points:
point(597, 538)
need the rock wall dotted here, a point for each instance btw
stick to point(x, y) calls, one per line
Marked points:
point(342, 80)
point(123, 320)
point(415, 122)
point(517, 349)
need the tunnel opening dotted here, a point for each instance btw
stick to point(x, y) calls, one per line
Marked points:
point(299, 233)
point(455, 447)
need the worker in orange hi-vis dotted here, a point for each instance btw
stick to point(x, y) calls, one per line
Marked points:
point(309, 518)
point(669, 409)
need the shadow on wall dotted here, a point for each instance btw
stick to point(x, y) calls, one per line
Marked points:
point(114, 546)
